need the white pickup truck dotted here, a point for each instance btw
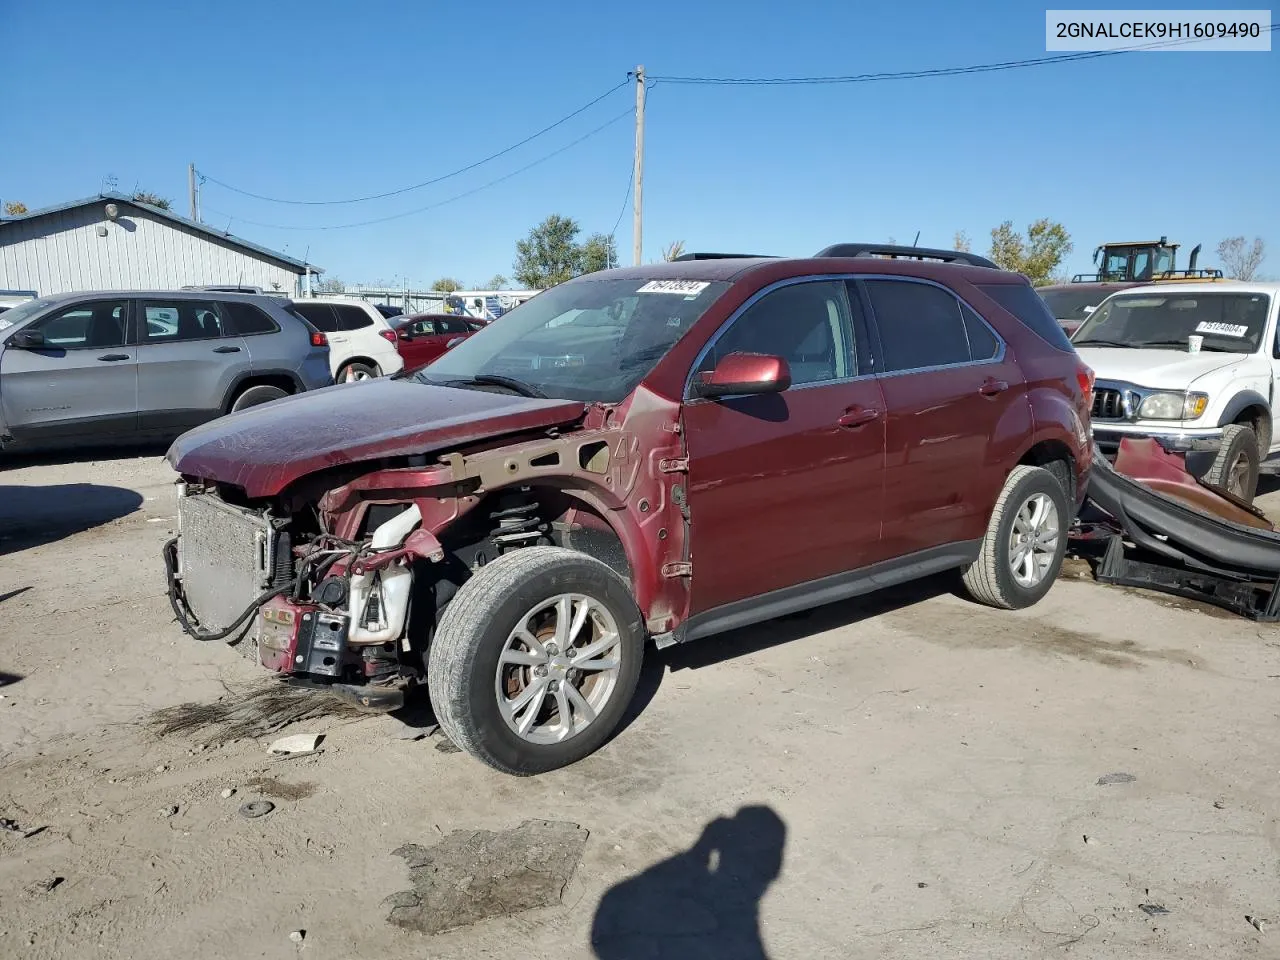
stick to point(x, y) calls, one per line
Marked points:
point(1194, 365)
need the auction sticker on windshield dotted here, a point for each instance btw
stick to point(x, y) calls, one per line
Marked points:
point(1222, 329)
point(689, 289)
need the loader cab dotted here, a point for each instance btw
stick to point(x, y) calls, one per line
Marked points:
point(1135, 262)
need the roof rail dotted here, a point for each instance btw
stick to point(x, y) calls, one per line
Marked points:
point(908, 253)
point(719, 256)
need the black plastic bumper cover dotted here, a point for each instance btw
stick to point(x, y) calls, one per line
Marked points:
point(1165, 527)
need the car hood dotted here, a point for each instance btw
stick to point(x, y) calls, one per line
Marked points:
point(1161, 369)
point(266, 448)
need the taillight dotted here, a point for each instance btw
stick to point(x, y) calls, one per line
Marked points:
point(318, 339)
point(389, 335)
point(1084, 376)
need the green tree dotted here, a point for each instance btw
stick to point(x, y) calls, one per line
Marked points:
point(550, 254)
point(15, 208)
point(1241, 261)
point(151, 199)
point(598, 253)
point(446, 285)
point(497, 282)
point(1038, 255)
point(673, 250)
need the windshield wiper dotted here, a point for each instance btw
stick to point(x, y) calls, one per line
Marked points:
point(497, 380)
point(1104, 343)
point(1183, 344)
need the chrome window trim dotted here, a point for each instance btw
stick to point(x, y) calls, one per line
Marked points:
point(999, 357)
point(747, 305)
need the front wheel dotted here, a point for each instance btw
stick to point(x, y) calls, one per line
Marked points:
point(535, 659)
point(1235, 468)
point(1025, 542)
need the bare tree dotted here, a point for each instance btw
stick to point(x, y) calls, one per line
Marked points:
point(15, 208)
point(1239, 260)
point(961, 242)
point(673, 250)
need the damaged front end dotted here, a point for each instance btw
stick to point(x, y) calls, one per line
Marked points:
point(315, 607)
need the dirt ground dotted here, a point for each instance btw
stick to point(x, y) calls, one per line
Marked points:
point(907, 776)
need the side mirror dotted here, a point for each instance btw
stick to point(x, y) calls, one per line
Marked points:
point(744, 373)
point(454, 342)
point(27, 340)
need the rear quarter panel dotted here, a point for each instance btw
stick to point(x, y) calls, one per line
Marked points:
point(1059, 408)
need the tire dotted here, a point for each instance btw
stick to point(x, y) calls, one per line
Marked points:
point(1235, 468)
point(991, 579)
point(357, 371)
point(478, 628)
point(255, 396)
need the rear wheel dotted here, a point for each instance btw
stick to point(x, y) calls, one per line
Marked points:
point(1235, 468)
point(535, 660)
point(1025, 541)
point(263, 393)
point(356, 371)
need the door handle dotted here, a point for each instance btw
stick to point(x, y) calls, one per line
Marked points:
point(856, 417)
point(227, 350)
point(114, 356)
point(991, 388)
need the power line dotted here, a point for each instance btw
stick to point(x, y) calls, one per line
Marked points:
point(626, 201)
point(934, 72)
point(440, 203)
point(425, 183)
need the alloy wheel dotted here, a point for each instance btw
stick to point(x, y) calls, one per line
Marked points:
point(559, 668)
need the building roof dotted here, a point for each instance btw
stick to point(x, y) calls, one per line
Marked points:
point(220, 235)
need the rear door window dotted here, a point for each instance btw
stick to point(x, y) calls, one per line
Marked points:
point(352, 317)
point(452, 326)
point(983, 344)
point(1023, 302)
point(319, 315)
point(920, 325)
point(245, 319)
point(171, 321)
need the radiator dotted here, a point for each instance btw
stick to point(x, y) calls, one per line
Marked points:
point(224, 558)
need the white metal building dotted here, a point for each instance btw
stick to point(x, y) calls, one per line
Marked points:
point(112, 242)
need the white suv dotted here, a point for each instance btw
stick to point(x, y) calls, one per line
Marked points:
point(362, 344)
point(1194, 365)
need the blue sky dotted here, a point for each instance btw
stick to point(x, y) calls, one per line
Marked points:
point(327, 100)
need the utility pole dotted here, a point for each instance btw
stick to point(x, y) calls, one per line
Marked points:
point(191, 189)
point(637, 205)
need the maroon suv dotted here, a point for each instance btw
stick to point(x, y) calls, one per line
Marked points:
point(655, 453)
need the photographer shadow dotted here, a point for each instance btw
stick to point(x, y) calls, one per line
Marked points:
point(703, 902)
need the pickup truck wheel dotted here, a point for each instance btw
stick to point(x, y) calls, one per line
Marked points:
point(535, 659)
point(1235, 468)
point(263, 393)
point(1024, 544)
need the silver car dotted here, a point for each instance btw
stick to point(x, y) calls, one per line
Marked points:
point(127, 366)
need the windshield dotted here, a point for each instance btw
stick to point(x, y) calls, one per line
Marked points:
point(591, 340)
point(1071, 304)
point(1228, 322)
point(15, 315)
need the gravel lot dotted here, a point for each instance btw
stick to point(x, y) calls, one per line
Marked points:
point(909, 776)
